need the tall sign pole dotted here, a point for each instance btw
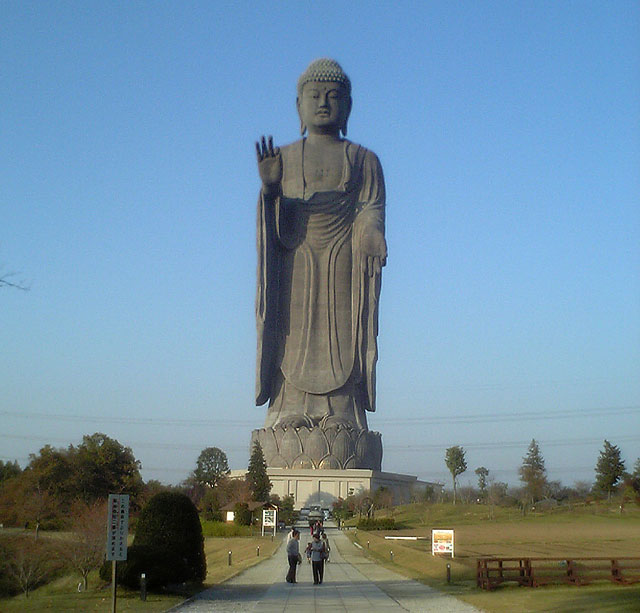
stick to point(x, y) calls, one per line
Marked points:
point(117, 532)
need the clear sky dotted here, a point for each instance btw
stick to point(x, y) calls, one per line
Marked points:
point(509, 135)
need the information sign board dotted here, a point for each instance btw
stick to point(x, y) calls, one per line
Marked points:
point(442, 542)
point(117, 527)
point(269, 519)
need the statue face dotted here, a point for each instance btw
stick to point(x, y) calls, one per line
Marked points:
point(324, 106)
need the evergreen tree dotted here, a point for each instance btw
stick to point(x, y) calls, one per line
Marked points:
point(168, 545)
point(456, 463)
point(609, 468)
point(533, 472)
point(257, 477)
point(482, 473)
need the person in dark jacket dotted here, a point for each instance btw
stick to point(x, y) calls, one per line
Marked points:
point(293, 555)
point(318, 555)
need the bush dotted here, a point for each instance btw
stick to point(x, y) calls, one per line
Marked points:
point(213, 515)
point(168, 545)
point(223, 529)
point(384, 523)
point(242, 515)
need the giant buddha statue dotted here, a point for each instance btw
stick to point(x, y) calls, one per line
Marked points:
point(321, 249)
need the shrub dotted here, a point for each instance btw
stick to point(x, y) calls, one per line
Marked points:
point(168, 545)
point(384, 523)
point(242, 515)
point(222, 529)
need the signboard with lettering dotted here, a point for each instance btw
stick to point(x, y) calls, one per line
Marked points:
point(117, 527)
point(269, 519)
point(442, 542)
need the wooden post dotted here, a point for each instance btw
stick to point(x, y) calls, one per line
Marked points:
point(114, 586)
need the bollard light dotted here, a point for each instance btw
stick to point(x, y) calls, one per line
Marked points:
point(258, 551)
point(143, 587)
point(448, 573)
point(391, 554)
point(229, 558)
point(367, 544)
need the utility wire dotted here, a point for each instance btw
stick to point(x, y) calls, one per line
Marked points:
point(409, 447)
point(454, 418)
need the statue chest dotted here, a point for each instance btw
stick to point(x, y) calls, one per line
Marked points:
point(322, 173)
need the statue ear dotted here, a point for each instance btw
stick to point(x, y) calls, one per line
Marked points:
point(303, 128)
point(343, 127)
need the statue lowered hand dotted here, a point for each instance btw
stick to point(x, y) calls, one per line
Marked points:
point(374, 252)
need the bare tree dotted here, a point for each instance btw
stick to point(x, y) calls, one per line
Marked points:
point(86, 549)
point(5, 282)
point(30, 564)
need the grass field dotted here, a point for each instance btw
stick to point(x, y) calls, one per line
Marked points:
point(62, 594)
point(580, 531)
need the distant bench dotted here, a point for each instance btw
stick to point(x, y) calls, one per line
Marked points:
point(533, 572)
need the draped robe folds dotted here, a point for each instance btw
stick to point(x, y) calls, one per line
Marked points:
point(316, 305)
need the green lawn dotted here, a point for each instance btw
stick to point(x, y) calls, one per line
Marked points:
point(586, 531)
point(62, 594)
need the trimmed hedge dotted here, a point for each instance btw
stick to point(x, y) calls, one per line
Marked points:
point(222, 529)
point(168, 545)
point(384, 523)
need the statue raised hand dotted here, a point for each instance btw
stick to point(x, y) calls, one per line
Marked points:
point(269, 165)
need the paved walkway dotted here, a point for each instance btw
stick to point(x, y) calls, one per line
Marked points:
point(352, 583)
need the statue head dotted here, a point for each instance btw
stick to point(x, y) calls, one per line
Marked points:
point(324, 97)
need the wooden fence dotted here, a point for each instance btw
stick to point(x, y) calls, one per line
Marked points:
point(532, 572)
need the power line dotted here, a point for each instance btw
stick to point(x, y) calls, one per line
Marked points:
point(515, 444)
point(564, 442)
point(454, 418)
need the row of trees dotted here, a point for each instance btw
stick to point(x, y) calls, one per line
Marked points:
point(55, 480)
point(610, 471)
point(67, 488)
point(212, 489)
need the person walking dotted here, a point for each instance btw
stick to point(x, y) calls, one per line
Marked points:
point(325, 540)
point(293, 555)
point(318, 554)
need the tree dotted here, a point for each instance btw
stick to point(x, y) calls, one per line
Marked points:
point(52, 471)
point(456, 463)
point(4, 282)
point(241, 514)
point(609, 468)
point(257, 477)
point(383, 498)
point(9, 470)
point(168, 545)
point(211, 466)
point(30, 563)
point(104, 466)
point(482, 473)
point(343, 509)
point(86, 548)
point(533, 473)
point(286, 512)
point(210, 504)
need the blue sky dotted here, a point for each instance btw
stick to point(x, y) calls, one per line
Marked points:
point(510, 141)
